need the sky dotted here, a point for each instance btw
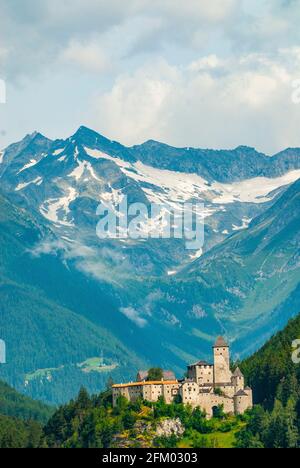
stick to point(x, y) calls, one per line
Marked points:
point(202, 73)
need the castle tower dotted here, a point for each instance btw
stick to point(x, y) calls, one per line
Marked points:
point(249, 392)
point(222, 373)
point(238, 380)
point(242, 402)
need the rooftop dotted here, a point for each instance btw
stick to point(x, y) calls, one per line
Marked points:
point(237, 372)
point(220, 343)
point(143, 374)
point(142, 384)
point(201, 363)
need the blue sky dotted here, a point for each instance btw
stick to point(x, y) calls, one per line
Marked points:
point(205, 73)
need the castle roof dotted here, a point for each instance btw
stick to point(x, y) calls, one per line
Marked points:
point(241, 393)
point(201, 363)
point(167, 375)
point(220, 343)
point(144, 384)
point(237, 373)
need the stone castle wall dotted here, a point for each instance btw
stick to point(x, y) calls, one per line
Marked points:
point(207, 386)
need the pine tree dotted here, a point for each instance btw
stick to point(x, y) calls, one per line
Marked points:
point(291, 424)
point(83, 400)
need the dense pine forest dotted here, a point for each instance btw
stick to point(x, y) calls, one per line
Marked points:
point(21, 419)
point(275, 421)
point(90, 421)
point(14, 404)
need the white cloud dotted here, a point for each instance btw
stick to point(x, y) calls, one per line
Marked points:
point(87, 56)
point(266, 25)
point(209, 103)
point(213, 11)
point(137, 104)
point(3, 55)
point(206, 63)
point(38, 33)
point(133, 315)
point(202, 73)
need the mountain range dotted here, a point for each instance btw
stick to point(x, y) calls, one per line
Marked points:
point(68, 297)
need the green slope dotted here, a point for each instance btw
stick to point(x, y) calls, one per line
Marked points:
point(15, 405)
point(274, 377)
point(271, 370)
point(39, 330)
point(21, 419)
point(16, 433)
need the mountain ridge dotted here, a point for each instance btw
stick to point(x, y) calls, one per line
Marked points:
point(84, 130)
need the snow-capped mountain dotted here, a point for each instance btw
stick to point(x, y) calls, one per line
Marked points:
point(64, 181)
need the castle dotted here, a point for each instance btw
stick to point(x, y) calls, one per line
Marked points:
point(206, 386)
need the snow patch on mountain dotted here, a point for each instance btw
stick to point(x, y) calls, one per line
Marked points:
point(178, 186)
point(31, 163)
point(96, 154)
point(114, 197)
point(163, 186)
point(81, 169)
point(53, 208)
point(22, 186)
point(58, 152)
point(77, 173)
point(256, 190)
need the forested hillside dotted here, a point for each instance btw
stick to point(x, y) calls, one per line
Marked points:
point(19, 406)
point(274, 377)
point(16, 433)
point(90, 421)
point(271, 371)
point(21, 419)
